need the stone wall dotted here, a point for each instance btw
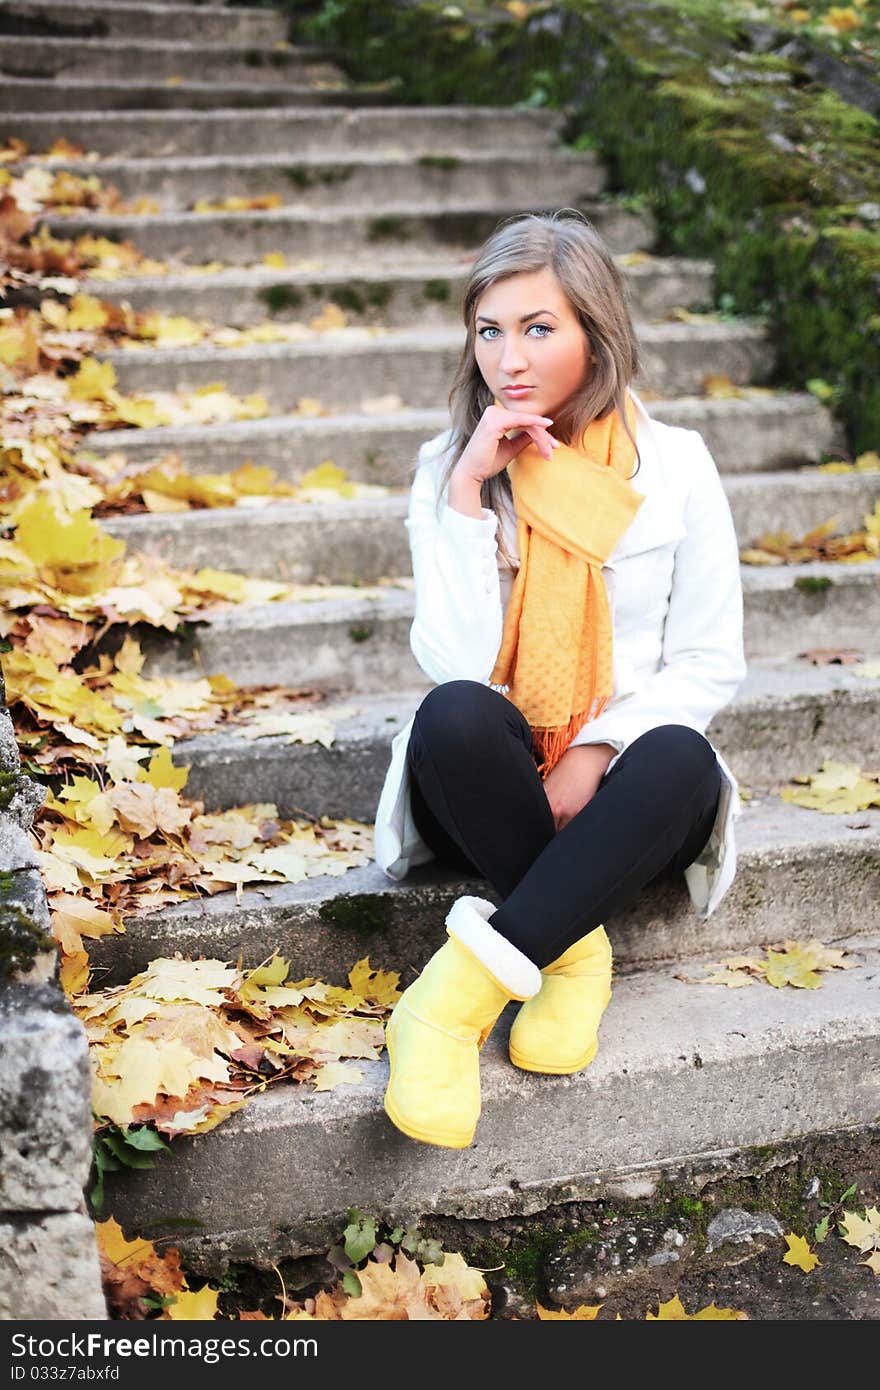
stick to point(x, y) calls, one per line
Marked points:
point(48, 1255)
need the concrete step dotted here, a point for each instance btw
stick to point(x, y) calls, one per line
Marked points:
point(143, 134)
point(744, 435)
point(390, 298)
point(102, 59)
point(362, 644)
point(92, 19)
point(318, 181)
point(788, 858)
point(68, 98)
point(734, 1068)
point(360, 540)
point(343, 367)
point(786, 718)
point(405, 235)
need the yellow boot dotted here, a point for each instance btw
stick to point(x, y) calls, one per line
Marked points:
point(442, 1020)
point(557, 1030)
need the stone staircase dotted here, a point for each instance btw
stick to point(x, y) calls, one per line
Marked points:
point(389, 204)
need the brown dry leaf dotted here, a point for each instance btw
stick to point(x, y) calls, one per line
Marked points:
point(830, 656)
point(132, 1268)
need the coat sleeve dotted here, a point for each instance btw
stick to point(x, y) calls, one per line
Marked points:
point(703, 657)
point(456, 631)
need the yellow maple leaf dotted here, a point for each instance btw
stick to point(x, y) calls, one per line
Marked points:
point(586, 1312)
point(162, 772)
point(141, 412)
point(48, 538)
point(199, 981)
point(794, 967)
point(333, 1074)
point(862, 1232)
point(455, 1273)
point(136, 1070)
point(139, 1257)
point(193, 1307)
point(275, 260)
point(92, 381)
point(379, 986)
point(799, 1253)
point(673, 1311)
point(74, 973)
point(86, 311)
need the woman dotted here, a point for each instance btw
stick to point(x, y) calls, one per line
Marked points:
point(578, 602)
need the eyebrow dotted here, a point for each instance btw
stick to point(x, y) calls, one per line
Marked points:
point(525, 318)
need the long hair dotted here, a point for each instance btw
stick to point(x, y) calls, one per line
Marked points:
point(568, 244)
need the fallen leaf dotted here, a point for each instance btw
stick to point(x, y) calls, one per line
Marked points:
point(799, 1253)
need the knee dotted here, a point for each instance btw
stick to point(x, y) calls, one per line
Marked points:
point(454, 710)
point(681, 748)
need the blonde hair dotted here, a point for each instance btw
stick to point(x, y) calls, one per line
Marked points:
point(569, 245)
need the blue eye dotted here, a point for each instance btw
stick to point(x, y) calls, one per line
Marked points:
point(490, 328)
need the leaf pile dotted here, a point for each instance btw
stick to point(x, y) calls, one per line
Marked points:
point(781, 548)
point(94, 324)
point(133, 845)
point(167, 487)
point(837, 788)
point(34, 186)
point(187, 1042)
point(795, 963)
point(398, 1291)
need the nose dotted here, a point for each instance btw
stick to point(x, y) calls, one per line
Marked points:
point(513, 358)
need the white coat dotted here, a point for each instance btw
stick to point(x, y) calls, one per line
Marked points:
point(675, 592)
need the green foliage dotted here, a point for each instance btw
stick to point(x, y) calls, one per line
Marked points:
point(365, 1236)
point(359, 1236)
point(742, 154)
point(115, 1147)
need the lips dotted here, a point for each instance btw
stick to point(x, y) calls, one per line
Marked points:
point(516, 390)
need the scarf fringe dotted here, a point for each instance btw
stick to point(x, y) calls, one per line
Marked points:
point(550, 744)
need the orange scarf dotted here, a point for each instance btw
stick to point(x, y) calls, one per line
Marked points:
point(555, 656)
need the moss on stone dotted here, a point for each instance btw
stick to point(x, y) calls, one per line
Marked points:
point(21, 939)
point(437, 291)
point(8, 784)
point(439, 161)
point(358, 912)
point(812, 583)
point(278, 298)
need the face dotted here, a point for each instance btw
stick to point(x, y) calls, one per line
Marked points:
point(527, 334)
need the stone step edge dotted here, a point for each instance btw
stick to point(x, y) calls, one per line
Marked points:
point(359, 718)
point(298, 53)
point(135, 222)
point(395, 600)
point(433, 421)
point(171, 11)
point(259, 276)
point(370, 159)
point(720, 1058)
point(553, 120)
point(427, 341)
point(393, 507)
point(323, 925)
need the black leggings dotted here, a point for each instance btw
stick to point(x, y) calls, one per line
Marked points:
point(479, 803)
